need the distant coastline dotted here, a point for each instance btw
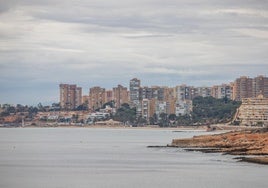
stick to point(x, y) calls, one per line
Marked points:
point(211, 128)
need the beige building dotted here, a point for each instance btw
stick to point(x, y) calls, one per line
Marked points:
point(169, 94)
point(253, 111)
point(70, 96)
point(184, 92)
point(109, 96)
point(120, 94)
point(221, 91)
point(242, 88)
point(202, 91)
point(97, 97)
point(245, 87)
point(147, 108)
point(86, 100)
point(260, 86)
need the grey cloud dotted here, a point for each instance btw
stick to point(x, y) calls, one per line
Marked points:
point(99, 42)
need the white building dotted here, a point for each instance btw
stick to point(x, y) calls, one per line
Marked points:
point(183, 107)
point(161, 107)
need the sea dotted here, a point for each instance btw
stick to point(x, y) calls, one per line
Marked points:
point(116, 158)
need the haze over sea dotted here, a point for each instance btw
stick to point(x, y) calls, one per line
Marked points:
point(114, 158)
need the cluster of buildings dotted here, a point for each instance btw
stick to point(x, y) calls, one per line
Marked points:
point(154, 100)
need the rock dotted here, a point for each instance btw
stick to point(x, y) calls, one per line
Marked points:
point(259, 160)
point(253, 142)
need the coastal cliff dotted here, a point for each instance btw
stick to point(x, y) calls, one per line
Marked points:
point(253, 142)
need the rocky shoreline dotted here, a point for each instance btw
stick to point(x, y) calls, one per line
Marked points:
point(251, 145)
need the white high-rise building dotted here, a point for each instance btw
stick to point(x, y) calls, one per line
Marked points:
point(134, 89)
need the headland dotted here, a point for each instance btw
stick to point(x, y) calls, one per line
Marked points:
point(250, 145)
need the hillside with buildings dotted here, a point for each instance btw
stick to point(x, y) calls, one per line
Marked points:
point(156, 103)
point(161, 105)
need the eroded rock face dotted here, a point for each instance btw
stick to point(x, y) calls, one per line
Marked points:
point(235, 143)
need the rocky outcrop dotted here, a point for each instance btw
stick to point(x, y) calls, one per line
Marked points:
point(253, 142)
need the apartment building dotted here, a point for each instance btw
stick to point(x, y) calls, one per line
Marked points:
point(145, 93)
point(243, 88)
point(147, 108)
point(109, 96)
point(161, 107)
point(183, 107)
point(221, 91)
point(154, 92)
point(158, 93)
point(134, 90)
point(260, 86)
point(253, 111)
point(202, 91)
point(70, 96)
point(184, 92)
point(169, 93)
point(97, 97)
point(120, 94)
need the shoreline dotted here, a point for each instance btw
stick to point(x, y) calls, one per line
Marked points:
point(212, 128)
point(212, 143)
point(179, 128)
point(251, 146)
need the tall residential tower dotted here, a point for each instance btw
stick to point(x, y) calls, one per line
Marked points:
point(134, 89)
point(70, 96)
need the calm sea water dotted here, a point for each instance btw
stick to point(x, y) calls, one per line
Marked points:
point(115, 158)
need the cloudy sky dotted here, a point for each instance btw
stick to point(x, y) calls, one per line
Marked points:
point(107, 42)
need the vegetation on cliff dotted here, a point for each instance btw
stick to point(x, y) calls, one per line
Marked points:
point(211, 110)
point(206, 110)
point(125, 114)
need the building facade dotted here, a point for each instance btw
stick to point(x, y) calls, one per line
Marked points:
point(222, 91)
point(97, 97)
point(260, 86)
point(242, 88)
point(134, 91)
point(109, 96)
point(253, 111)
point(245, 87)
point(70, 96)
point(120, 94)
point(202, 91)
point(184, 92)
point(183, 107)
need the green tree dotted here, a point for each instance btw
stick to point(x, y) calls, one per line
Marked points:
point(141, 121)
point(153, 120)
point(212, 110)
point(125, 114)
point(82, 107)
point(163, 120)
point(172, 119)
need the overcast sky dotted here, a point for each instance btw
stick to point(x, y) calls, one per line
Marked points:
point(107, 42)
